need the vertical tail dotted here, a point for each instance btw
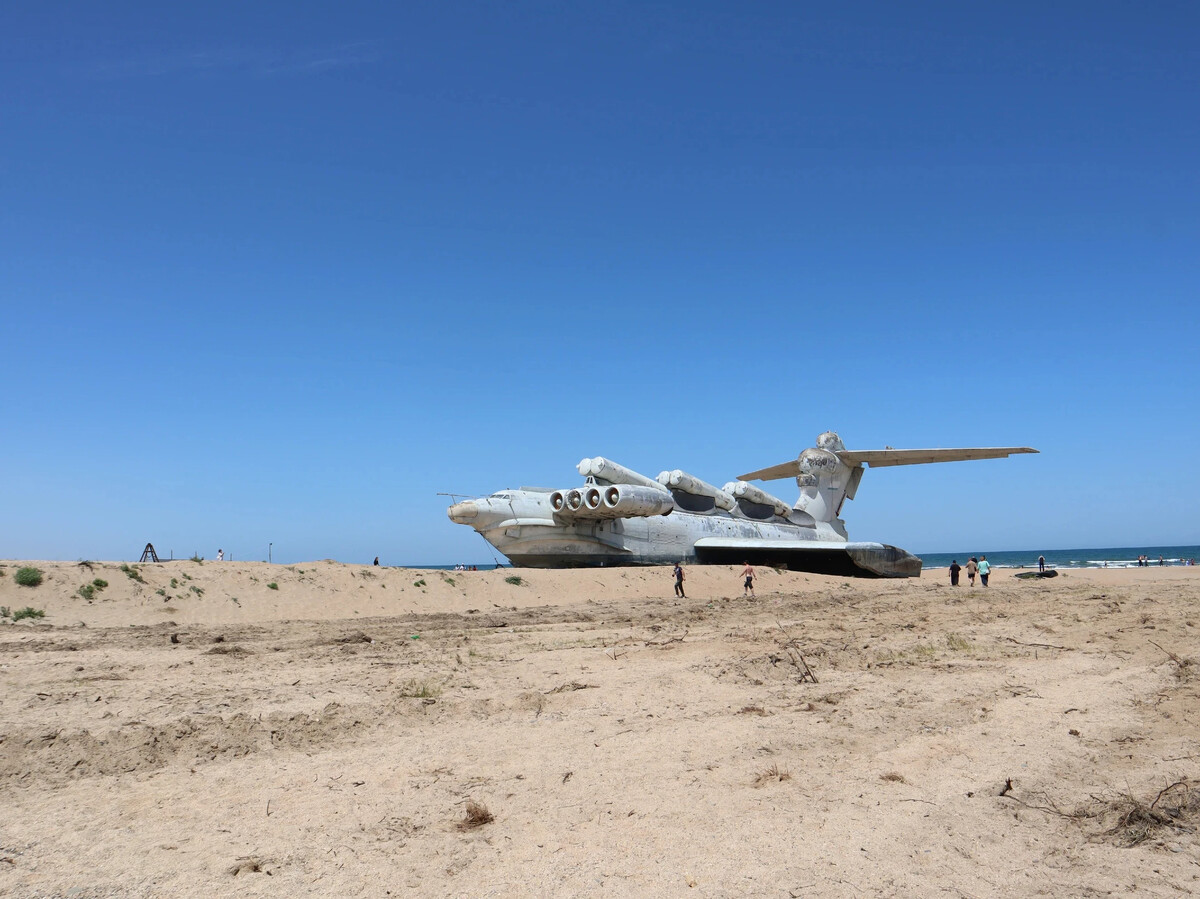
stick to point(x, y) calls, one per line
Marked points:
point(829, 474)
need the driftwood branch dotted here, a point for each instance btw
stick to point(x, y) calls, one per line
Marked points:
point(1041, 645)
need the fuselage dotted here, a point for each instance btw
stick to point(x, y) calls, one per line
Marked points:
point(523, 525)
point(620, 517)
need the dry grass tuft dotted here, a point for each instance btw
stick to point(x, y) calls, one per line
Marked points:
point(752, 710)
point(774, 774)
point(1175, 808)
point(476, 815)
point(893, 777)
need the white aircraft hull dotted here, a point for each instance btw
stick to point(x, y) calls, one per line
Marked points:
point(619, 517)
point(694, 538)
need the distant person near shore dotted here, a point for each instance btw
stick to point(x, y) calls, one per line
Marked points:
point(376, 562)
point(972, 568)
point(220, 555)
point(985, 569)
point(955, 568)
point(679, 580)
point(748, 584)
point(1041, 563)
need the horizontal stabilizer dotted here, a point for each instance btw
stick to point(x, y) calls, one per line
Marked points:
point(882, 458)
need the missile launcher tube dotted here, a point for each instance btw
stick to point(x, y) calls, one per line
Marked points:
point(742, 490)
point(606, 470)
point(682, 481)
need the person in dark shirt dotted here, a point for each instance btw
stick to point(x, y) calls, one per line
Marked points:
point(955, 568)
point(679, 580)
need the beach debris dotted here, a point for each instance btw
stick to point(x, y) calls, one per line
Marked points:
point(1173, 808)
point(774, 774)
point(356, 637)
point(571, 687)
point(668, 640)
point(476, 815)
point(1184, 667)
point(796, 657)
point(248, 865)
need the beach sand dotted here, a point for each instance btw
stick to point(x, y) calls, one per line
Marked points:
point(199, 732)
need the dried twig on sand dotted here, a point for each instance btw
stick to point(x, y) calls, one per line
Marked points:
point(796, 657)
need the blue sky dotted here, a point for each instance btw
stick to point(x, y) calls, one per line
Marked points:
point(279, 273)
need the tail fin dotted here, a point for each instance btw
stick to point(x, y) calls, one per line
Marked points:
point(829, 474)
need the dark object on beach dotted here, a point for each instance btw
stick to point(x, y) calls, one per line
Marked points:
point(1026, 575)
point(148, 554)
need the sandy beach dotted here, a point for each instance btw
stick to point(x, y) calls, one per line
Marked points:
point(211, 729)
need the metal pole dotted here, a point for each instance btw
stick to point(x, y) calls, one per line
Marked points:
point(269, 545)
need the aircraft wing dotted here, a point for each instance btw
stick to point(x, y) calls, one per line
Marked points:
point(774, 473)
point(882, 458)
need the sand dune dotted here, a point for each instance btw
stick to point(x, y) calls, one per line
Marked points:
point(195, 731)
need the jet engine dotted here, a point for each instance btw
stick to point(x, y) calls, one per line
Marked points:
point(612, 501)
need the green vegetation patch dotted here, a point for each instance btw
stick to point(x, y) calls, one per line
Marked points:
point(27, 612)
point(28, 576)
point(420, 689)
point(132, 573)
point(270, 586)
point(514, 579)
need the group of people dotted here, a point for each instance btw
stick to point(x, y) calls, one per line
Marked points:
point(747, 580)
point(980, 567)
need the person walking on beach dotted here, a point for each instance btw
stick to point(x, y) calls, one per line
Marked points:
point(679, 580)
point(1041, 563)
point(984, 570)
point(748, 584)
point(955, 568)
point(972, 567)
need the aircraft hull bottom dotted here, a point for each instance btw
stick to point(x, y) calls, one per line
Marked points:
point(878, 561)
point(873, 561)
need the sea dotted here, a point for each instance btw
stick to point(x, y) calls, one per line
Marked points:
point(1110, 557)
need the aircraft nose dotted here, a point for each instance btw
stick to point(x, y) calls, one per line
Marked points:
point(464, 512)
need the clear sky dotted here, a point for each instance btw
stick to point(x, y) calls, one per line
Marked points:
point(277, 273)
